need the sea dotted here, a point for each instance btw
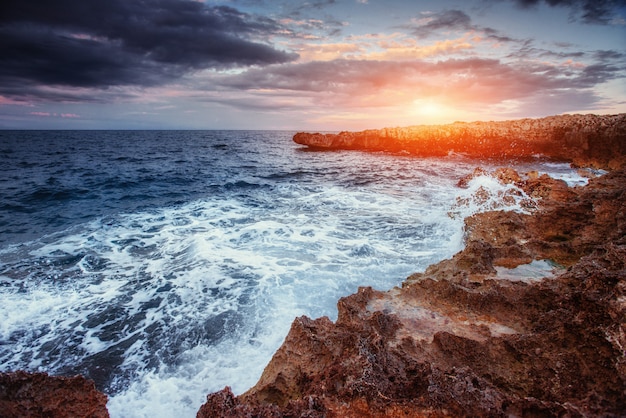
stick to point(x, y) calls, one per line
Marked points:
point(166, 265)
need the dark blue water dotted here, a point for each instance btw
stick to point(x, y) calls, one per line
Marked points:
point(50, 180)
point(165, 265)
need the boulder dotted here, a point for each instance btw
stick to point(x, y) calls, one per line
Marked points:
point(25, 394)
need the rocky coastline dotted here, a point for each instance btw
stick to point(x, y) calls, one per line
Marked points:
point(480, 334)
point(586, 140)
point(25, 394)
point(528, 320)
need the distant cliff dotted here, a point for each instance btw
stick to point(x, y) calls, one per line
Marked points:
point(586, 140)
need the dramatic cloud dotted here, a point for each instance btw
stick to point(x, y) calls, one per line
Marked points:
point(469, 82)
point(221, 63)
point(450, 20)
point(126, 42)
point(446, 20)
point(590, 11)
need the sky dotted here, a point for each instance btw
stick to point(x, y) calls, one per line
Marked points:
point(322, 65)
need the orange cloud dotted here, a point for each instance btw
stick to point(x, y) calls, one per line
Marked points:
point(410, 49)
point(394, 47)
point(327, 51)
point(403, 91)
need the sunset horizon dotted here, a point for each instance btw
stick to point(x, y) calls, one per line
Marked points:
point(324, 208)
point(323, 65)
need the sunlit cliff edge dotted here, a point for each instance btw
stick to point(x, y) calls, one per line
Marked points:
point(596, 140)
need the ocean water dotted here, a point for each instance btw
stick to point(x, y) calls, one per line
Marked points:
point(165, 265)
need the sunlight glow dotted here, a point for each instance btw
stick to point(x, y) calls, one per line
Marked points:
point(431, 111)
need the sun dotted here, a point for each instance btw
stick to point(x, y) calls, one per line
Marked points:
point(427, 107)
point(431, 111)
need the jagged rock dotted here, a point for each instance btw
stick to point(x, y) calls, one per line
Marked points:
point(586, 140)
point(25, 394)
point(463, 338)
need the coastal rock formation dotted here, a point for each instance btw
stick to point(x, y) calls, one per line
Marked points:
point(528, 320)
point(586, 140)
point(40, 395)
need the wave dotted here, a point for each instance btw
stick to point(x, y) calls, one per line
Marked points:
point(170, 288)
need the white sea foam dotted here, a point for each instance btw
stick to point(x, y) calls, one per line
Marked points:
point(484, 193)
point(173, 303)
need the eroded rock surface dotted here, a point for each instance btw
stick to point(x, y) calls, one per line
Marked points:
point(528, 320)
point(25, 394)
point(586, 140)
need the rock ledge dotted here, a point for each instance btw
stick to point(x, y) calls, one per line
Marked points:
point(586, 140)
point(475, 335)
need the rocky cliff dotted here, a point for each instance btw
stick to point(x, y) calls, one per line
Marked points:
point(528, 320)
point(587, 140)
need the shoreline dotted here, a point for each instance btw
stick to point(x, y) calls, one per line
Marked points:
point(464, 338)
point(585, 140)
point(471, 336)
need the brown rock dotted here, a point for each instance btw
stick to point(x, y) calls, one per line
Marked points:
point(586, 140)
point(460, 339)
point(464, 182)
point(40, 395)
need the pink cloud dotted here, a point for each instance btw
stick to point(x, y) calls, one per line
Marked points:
point(8, 101)
point(55, 115)
point(403, 92)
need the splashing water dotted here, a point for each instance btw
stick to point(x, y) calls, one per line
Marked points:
point(167, 265)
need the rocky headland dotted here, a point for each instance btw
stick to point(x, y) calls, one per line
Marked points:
point(528, 320)
point(586, 140)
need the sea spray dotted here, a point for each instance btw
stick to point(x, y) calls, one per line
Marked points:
point(181, 269)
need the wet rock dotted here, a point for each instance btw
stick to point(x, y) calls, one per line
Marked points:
point(461, 340)
point(464, 181)
point(40, 395)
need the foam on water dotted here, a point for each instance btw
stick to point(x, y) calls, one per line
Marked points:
point(485, 193)
point(163, 305)
point(199, 296)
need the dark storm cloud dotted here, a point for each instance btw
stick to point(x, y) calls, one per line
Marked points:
point(590, 11)
point(449, 20)
point(126, 42)
point(446, 20)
